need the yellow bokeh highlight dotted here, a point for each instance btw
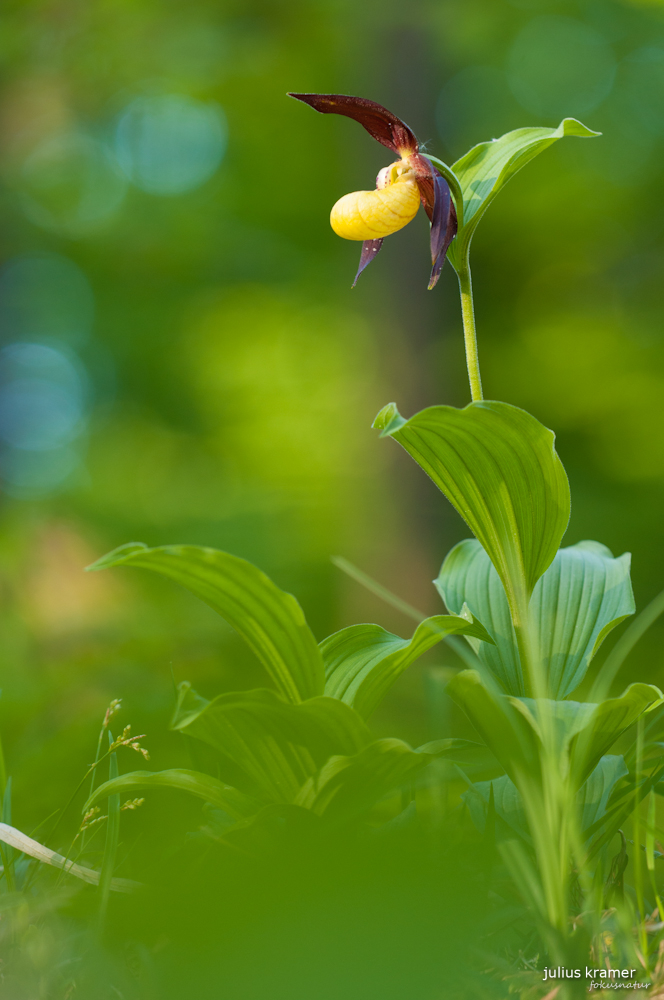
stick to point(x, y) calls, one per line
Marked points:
point(286, 390)
point(588, 374)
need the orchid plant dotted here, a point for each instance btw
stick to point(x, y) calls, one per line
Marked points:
point(454, 198)
point(527, 617)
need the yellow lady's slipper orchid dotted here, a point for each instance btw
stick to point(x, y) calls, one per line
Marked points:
point(371, 215)
point(412, 180)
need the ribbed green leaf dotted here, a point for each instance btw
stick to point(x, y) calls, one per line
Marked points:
point(276, 745)
point(468, 577)
point(268, 619)
point(203, 786)
point(506, 802)
point(497, 465)
point(363, 662)
point(500, 724)
point(487, 167)
point(609, 721)
point(459, 751)
point(581, 597)
point(579, 732)
point(583, 732)
point(347, 786)
point(561, 721)
point(592, 798)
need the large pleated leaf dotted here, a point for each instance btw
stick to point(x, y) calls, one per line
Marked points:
point(497, 465)
point(610, 720)
point(578, 733)
point(580, 598)
point(459, 751)
point(506, 803)
point(346, 786)
point(276, 745)
point(592, 798)
point(268, 619)
point(469, 577)
point(196, 783)
point(503, 728)
point(487, 167)
point(583, 732)
point(363, 662)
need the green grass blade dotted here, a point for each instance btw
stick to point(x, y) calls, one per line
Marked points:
point(112, 837)
point(6, 851)
point(460, 647)
point(624, 646)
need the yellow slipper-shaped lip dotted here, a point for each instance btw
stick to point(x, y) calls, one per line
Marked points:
point(370, 215)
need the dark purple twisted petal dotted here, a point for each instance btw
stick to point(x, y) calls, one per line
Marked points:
point(443, 225)
point(450, 233)
point(380, 123)
point(370, 249)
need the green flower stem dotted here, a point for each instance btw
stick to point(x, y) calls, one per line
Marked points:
point(469, 331)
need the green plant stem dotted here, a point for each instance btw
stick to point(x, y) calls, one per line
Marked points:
point(650, 849)
point(94, 769)
point(75, 793)
point(3, 771)
point(519, 603)
point(637, 866)
point(7, 852)
point(469, 329)
point(112, 836)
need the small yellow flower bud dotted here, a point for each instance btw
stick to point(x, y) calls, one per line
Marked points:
point(370, 215)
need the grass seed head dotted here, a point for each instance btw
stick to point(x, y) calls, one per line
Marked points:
point(114, 707)
point(132, 804)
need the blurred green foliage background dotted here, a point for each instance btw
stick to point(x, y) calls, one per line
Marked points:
point(183, 359)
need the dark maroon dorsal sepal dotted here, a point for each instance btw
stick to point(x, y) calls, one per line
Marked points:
point(380, 123)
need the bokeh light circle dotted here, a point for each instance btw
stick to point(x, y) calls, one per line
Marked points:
point(71, 184)
point(473, 106)
point(45, 296)
point(42, 397)
point(560, 67)
point(37, 415)
point(28, 475)
point(643, 85)
point(169, 144)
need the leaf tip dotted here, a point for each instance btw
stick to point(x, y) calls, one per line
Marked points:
point(572, 126)
point(119, 555)
point(388, 420)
